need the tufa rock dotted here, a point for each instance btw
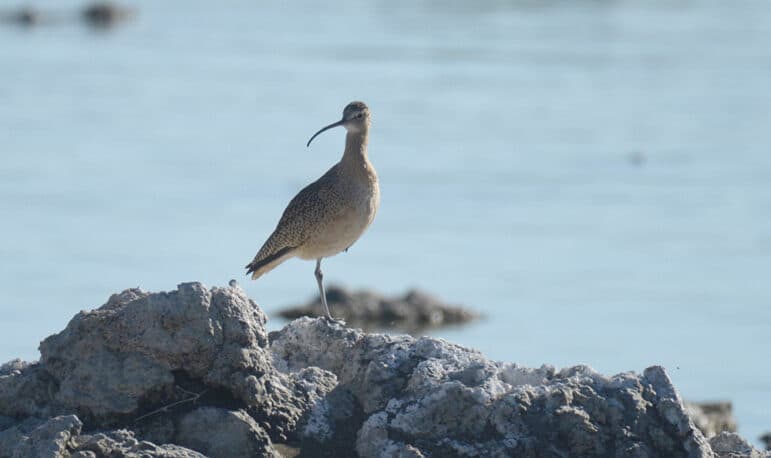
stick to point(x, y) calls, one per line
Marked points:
point(731, 445)
point(124, 359)
point(194, 369)
point(413, 312)
point(61, 436)
point(123, 443)
point(26, 16)
point(26, 390)
point(13, 366)
point(106, 14)
point(400, 396)
point(36, 438)
point(223, 433)
point(154, 363)
point(766, 439)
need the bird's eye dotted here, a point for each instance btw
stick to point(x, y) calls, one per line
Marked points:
point(360, 115)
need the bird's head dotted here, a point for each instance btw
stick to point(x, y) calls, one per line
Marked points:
point(355, 119)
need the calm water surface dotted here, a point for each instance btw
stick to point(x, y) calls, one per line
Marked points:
point(165, 151)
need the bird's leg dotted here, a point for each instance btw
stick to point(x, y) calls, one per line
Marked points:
point(319, 280)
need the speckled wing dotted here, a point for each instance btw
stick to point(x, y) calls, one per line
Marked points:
point(305, 213)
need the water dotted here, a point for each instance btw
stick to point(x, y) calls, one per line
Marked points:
point(504, 134)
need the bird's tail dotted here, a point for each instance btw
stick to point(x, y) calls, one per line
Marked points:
point(263, 264)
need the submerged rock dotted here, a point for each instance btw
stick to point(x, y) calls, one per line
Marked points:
point(766, 439)
point(413, 312)
point(100, 14)
point(105, 14)
point(26, 16)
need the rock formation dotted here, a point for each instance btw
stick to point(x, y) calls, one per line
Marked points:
point(766, 439)
point(413, 312)
point(167, 366)
point(192, 372)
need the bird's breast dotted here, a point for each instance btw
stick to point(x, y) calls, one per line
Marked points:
point(356, 204)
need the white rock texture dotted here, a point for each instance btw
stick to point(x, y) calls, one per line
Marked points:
point(195, 371)
point(398, 396)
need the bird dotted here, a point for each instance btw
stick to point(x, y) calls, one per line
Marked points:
point(330, 214)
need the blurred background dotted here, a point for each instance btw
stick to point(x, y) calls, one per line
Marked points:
point(592, 176)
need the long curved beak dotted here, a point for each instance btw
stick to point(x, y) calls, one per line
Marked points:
point(334, 124)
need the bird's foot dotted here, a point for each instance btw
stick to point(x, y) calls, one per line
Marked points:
point(331, 320)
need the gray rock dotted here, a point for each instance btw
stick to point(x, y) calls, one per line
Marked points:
point(194, 367)
point(6, 422)
point(51, 438)
point(61, 436)
point(223, 433)
point(731, 445)
point(13, 366)
point(766, 439)
point(400, 396)
point(10, 437)
point(26, 390)
point(105, 13)
point(27, 16)
point(82, 454)
point(123, 443)
point(136, 353)
point(413, 312)
point(712, 418)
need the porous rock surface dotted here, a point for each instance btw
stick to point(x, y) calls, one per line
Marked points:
point(146, 361)
point(398, 396)
point(193, 370)
point(731, 445)
point(61, 437)
point(221, 432)
point(413, 312)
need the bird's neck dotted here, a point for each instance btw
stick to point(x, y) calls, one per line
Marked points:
point(355, 154)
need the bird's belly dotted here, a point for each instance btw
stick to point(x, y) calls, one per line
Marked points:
point(337, 235)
